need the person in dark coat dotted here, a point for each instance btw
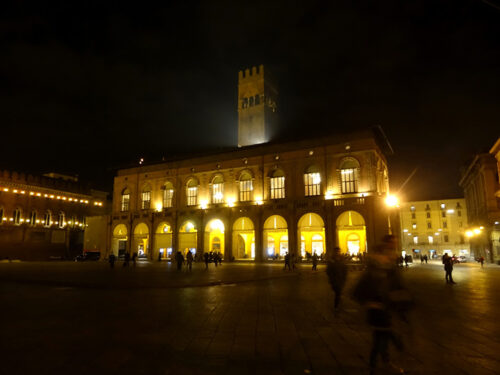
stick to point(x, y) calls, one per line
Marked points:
point(381, 292)
point(287, 261)
point(336, 270)
point(179, 258)
point(112, 259)
point(189, 260)
point(206, 258)
point(134, 258)
point(314, 261)
point(448, 268)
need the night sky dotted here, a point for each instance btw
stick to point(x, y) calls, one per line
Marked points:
point(89, 87)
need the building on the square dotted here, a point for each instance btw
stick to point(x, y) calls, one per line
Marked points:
point(434, 227)
point(481, 184)
point(45, 217)
point(260, 200)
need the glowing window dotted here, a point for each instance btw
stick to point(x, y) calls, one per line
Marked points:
point(192, 192)
point(125, 206)
point(146, 198)
point(415, 240)
point(1, 216)
point(217, 190)
point(33, 218)
point(168, 195)
point(16, 216)
point(277, 185)
point(431, 239)
point(312, 182)
point(47, 219)
point(61, 221)
point(349, 176)
point(246, 187)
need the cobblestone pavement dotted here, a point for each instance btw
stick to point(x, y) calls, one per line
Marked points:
point(84, 318)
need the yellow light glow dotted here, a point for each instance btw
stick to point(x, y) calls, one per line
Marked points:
point(481, 228)
point(203, 204)
point(32, 193)
point(328, 195)
point(477, 231)
point(159, 206)
point(38, 221)
point(231, 202)
point(4, 219)
point(23, 192)
point(46, 195)
point(469, 233)
point(58, 197)
point(38, 194)
point(391, 201)
point(51, 196)
point(189, 226)
point(5, 189)
point(15, 190)
point(218, 196)
point(217, 225)
point(64, 198)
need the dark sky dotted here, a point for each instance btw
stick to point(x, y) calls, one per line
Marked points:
point(87, 87)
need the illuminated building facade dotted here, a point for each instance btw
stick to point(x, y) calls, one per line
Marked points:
point(257, 202)
point(44, 217)
point(481, 183)
point(434, 227)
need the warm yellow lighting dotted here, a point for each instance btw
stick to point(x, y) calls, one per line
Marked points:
point(58, 197)
point(46, 195)
point(15, 190)
point(218, 196)
point(159, 206)
point(230, 202)
point(27, 220)
point(217, 225)
point(32, 193)
point(203, 204)
point(391, 201)
point(70, 199)
point(316, 178)
point(38, 221)
point(22, 220)
point(4, 219)
point(477, 231)
point(23, 192)
point(189, 226)
point(405, 230)
point(5, 189)
point(51, 196)
point(64, 198)
point(329, 195)
point(481, 228)
point(450, 211)
point(38, 194)
point(469, 233)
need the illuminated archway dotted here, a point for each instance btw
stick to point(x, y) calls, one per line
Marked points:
point(214, 236)
point(351, 233)
point(275, 236)
point(140, 240)
point(188, 238)
point(243, 239)
point(311, 231)
point(119, 240)
point(163, 241)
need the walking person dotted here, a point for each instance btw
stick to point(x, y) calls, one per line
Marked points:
point(287, 261)
point(336, 270)
point(381, 292)
point(219, 258)
point(293, 260)
point(314, 261)
point(179, 258)
point(206, 258)
point(425, 258)
point(448, 268)
point(189, 260)
point(481, 260)
point(134, 258)
point(111, 260)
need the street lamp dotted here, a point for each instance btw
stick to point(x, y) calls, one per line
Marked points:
point(391, 201)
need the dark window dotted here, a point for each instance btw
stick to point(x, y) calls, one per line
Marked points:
point(445, 224)
point(251, 101)
point(429, 225)
point(428, 215)
point(443, 213)
point(445, 238)
point(257, 99)
point(413, 216)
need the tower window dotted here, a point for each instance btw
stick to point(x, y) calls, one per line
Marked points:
point(278, 185)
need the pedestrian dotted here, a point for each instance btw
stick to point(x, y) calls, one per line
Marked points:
point(287, 261)
point(219, 258)
point(206, 258)
point(421, 259)
point(159, 256)
point(448, 268)
point(126, 259)
point(407, 259)
point(112, 259)
point(189, 260)
point(179, 258)
point(314, 261)
point(215, 259)
point(425, 258)
point(293, 260)
point(381, 292)
point(134, 258)
point(336, 270)
point(481, 260)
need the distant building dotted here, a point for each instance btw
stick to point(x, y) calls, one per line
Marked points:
point(434, 227)
point(481, 183)
point(44, 217)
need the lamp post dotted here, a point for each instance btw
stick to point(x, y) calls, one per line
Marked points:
point(391, 201)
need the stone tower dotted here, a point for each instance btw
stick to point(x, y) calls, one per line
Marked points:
point(257, 110)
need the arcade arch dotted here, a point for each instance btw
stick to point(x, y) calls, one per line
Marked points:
point(188, 237)
point(163, 241)
point(214, 236)
point(119, 240)
point(351, 233)
point(243, 239)
point(140, 240)
point(275, 236)
point(311, 231)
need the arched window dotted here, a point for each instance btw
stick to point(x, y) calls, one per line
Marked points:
point(16, 216)
point(192, 192)
point(61, 221)
point(33, 218)
point(125, 206)
point(168, 195)
point(47, 219)
point(1, 216)
point(349, 176)
point(246, 187)
point(277, 184)
point(218, 189)
point(146, 198)
point(312, 181)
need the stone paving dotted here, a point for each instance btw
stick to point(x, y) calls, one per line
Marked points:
point(84, 318)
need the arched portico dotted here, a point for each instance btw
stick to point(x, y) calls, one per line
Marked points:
point(311, 231)
point(214, 236)
point(275, 237)
point(163, 241)
point(140, 240)
point(119, 240)
point(188, 237)
point(351, 233)
point(243, 239)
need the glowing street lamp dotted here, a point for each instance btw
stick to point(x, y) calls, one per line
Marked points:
point(391, 201)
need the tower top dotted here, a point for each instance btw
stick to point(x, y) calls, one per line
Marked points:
point(256, 72)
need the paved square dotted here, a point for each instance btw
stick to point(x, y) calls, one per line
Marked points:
point(84, 318)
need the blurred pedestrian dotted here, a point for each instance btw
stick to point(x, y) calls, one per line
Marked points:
point(219, 258)
point(314, 261)
point(425, 258)
point(134, 258)
point(112, 259)
point(179, 258)
point(481, 260)
point(293, 260)
point(287, 261)
point(448, 268)
point(206, 258)
point(407, 259)
point(189, 260)
point(159, 256)
point(381, 292)
point(336, 270)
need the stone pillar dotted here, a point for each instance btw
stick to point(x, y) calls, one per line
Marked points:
point(200, 239)
point(292, 236)
point(330, 230)
point(259, 242)
point(228, 243)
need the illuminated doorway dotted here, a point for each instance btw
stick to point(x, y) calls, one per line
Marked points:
point(140, 240)
point(188, 238)
point(276, 233)
point(214, 236)
point(163, 241)
point(119, 240)
point(243, 239)
point(351, 233)
point(311, 231)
